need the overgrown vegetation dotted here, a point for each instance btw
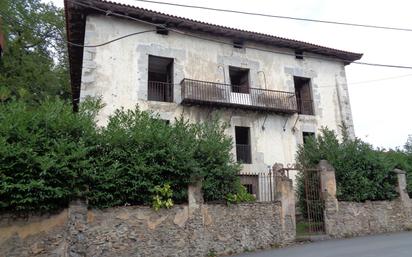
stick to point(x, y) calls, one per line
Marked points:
point(362, 173)
point(49, 155)
point(241, 196)
point(162, 197)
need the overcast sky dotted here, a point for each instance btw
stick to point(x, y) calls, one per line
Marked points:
point(381, 109)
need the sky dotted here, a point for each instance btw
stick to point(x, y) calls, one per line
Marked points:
point(381, 98)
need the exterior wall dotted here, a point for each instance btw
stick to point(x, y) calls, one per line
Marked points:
point(33, 235)
point(182, 231)
point(118, 72)
point(354, 219)
point(343, 219)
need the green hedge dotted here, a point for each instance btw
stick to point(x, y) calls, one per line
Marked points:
point(49, 155)
point(362, 173)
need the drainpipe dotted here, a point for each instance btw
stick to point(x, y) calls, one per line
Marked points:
point(264, 78)
point(223, 70)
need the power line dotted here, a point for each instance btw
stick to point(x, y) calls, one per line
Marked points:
point(113, 40)
point(75, 44)
point(109, 12)
point(279, 16)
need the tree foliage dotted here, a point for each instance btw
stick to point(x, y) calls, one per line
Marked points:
point(50, 155)
point(34, 65)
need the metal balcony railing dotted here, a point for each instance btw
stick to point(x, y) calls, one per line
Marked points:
point(203, 92)
point(159, 91)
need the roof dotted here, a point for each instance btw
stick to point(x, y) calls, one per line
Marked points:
point(76, 19)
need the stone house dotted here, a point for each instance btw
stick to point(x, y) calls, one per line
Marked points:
point(274, 92)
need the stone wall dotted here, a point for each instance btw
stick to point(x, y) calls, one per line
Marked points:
point(184, 230)
point(343, 219)
point(43, 235)
point(354, 219)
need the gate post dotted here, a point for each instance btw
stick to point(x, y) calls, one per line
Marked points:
point(285, 194)
point(401, 188)
point(328, 187)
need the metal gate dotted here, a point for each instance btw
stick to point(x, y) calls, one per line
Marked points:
point(312, 202)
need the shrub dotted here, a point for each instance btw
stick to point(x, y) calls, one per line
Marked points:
point(362, 173)
point(50, 155)
point(162, 197)
point(401, 160)
point(240, 196)
point(44, 156)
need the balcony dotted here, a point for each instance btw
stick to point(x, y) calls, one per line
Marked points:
point(217, 94)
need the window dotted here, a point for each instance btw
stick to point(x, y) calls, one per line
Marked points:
point(243, 149)
point(239, 79)
point(303, 95)
point(160, 79)
point(307, 135)
point(249, 188)
point(299, 54)
point(238, 44)
point(162, 31)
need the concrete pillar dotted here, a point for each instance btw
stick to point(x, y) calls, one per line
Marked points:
point(286, 195)
point(328, 187)
point(195, 195)
point(77, 226)
point(401, 188)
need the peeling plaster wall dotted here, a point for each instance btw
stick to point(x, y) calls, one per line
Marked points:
point(118, 73)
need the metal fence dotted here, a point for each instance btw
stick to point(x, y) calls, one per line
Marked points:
point(261, 185)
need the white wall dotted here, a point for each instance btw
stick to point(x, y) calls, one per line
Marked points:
point(118, 73)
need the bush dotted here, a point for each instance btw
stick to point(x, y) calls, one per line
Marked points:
point(362, 173)
point(50, 155)
point(401, 160)
point(241, 196)
point(43, 155)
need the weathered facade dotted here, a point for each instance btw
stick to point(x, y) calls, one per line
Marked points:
point(272, 91)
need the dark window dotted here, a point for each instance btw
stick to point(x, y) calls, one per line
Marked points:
point(249, 188)
point(160, 79)
point(307, 135)
point(239, 79)
point(303, 95)
point(162, 31)
point(299, 54)
point(238, 44)
point(243, 149)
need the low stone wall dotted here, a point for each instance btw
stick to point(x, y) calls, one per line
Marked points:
point(354, 219)
point(184, 231)
point(345, 219)
point(34, 235)
point(140, 231)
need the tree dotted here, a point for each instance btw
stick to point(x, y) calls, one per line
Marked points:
point(408, 145)
point(34, 65)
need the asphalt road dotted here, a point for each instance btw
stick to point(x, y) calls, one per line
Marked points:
point(388, 245)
